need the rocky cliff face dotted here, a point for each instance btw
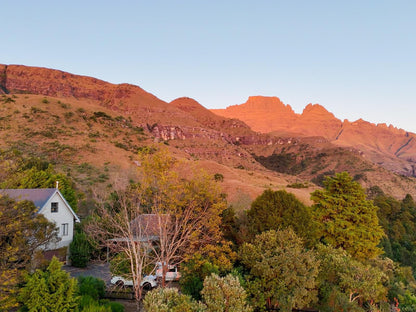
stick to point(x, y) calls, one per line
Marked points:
point(124, 98)
point(261, 113)
point(182, 119)
point(380, 143)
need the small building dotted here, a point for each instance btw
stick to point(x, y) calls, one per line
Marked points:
point(51, 203)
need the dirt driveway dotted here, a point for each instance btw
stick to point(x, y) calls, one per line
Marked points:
point(97, 269)
point(100, 270)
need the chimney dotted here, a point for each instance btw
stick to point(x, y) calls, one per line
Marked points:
point(57, 184)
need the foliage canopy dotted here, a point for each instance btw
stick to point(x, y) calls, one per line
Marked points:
point(282, 273)
point(22, 233)
point(50, 290)
point(275, 210)
point(346, 218)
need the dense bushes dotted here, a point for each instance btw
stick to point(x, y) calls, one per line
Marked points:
point(80, 250)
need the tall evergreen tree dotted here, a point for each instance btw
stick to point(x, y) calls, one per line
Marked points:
point(50, 290)
point(275, 210)
point(346, 218)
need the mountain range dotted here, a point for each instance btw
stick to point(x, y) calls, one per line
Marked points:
point(91, 129)
point(388, 146)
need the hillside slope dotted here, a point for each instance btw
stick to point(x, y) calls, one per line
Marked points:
point(92, 130)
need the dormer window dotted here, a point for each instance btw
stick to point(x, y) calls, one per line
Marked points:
point(54, 207)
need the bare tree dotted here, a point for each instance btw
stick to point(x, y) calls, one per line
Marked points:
point(163, 218)
point(112, 227)
point(187, 207)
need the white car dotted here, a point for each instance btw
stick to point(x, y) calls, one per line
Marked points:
point(172, 273)
point(148, 282)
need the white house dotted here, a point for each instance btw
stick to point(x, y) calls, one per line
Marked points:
point(53, 206)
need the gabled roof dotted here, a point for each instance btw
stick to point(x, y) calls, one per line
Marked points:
point(38, 196)
point(149, 224)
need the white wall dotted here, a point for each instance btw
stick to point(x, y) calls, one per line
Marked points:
point(63, 215)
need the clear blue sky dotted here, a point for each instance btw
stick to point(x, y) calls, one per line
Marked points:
point(356, 58)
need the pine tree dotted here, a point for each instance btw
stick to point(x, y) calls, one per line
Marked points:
point(346, 219)
point(50, 290)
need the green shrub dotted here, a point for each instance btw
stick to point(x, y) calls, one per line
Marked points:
point(115, 306)
point(35, 110)
point(64, 105)
point(8, 100)
point(102, 115)
point(80, 250)
point(169, 299)
point(68, 115)
point(298, 185)
point(224, 294)
point(194, 272)
point(91, 286)
point(121, 145)
point(218, 177)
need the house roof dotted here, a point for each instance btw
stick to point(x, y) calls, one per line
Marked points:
point(146, 227)
point(149, 224)
point(38, 196)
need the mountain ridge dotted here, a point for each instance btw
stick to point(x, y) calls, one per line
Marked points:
point(379, 142)
point(75, 121)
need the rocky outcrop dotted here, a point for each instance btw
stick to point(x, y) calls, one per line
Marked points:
point(380, 143)
point(50, 82)
point(261, 113)
point(3, 79)
point(125, 98)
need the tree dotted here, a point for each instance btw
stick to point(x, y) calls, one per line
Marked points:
point(163, 218)
point(398, 219)
point(275, 210)
point(23, 233)
point(346, 219)
point(111, 227)
point(50, 290)
point(20, 172)
point(80, 250)
point(194, 272)
point(92, 291)
point(169, 299)
point(282, 273)
point(224, 294)
point(188, 207)
point(345, 283)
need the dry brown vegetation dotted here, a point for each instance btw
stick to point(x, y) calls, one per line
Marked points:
point(93, 130)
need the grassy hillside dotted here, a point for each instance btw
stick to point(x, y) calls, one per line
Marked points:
point(97, 146)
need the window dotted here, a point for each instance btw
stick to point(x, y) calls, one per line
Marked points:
point(64, 229)
point(54, 207)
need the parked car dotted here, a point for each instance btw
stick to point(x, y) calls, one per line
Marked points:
point(172, 273)
point(148, 282)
